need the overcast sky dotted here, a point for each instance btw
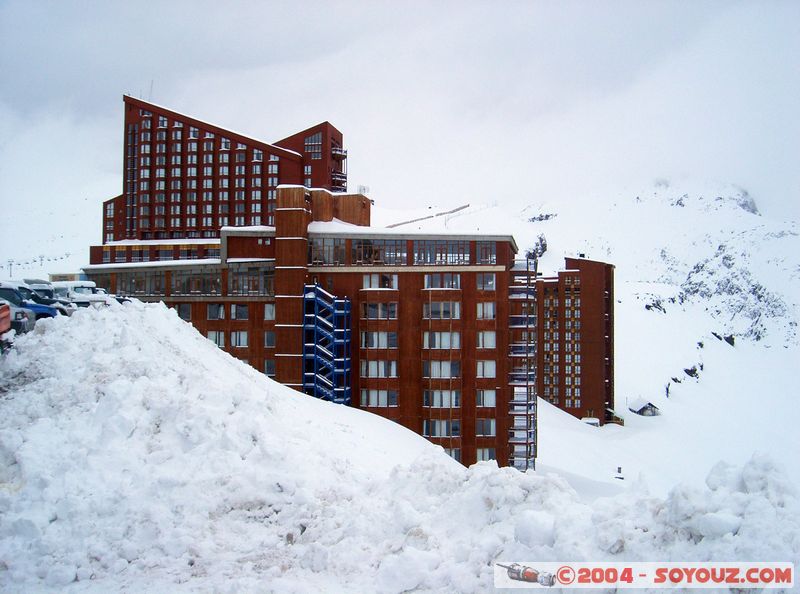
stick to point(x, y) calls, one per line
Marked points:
point(439, 102)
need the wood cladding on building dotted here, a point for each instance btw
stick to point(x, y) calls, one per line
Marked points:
point(449, 335)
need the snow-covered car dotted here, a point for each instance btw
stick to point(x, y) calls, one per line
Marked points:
point(22, 319)
point(118, 298)
point(31, 295)
point(45, 289)
point(10, 293)
point(81, 293)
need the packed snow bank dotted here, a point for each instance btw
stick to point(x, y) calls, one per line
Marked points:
point(134, 454)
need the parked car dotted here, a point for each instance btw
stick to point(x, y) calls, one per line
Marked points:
point(118, 298)
point(45, 289)
point(22, 319)
point(29, 294)
point(81, 293)
point(12, 295)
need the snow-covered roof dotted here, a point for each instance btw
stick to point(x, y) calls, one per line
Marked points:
point(243, 260)
point(338, 227)
point(192, 241)
point(322, 190)
point(228, 230)
point(152, 264)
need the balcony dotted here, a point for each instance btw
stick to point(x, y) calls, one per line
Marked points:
point(521, 409)
point(520, 436)
point(522, 321)
point(521, 377)
point(522, 292)
point(338, 152)
point(522, 463)
point(522, 349)
point(338, 181)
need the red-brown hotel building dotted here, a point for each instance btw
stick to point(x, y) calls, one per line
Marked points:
point(262, 250)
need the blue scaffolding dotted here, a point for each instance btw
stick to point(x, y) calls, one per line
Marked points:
point(326, 345)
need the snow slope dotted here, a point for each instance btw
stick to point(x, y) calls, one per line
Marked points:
point(695, 262)
point(135, 455)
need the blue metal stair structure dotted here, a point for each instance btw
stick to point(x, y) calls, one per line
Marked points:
point(326, 345)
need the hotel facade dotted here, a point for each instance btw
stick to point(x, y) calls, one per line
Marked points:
point(450, 335)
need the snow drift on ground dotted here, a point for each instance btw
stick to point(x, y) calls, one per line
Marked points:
point(136, 455)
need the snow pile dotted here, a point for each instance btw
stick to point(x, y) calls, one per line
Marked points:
point(135, 454)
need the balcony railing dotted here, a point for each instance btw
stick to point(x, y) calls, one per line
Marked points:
point(522, 349)
point(339, 152)
point(521, 409)
point(523, 321)
point(521, 436)
point(521, 292)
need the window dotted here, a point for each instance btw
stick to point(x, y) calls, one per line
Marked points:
point(379, 340)
point(258, 155)
point(441, 369)
point(239, 338)
point(269, 339)
point(243, 280)
point(487, 339)
point(380, 281)
point(216, 311)
point(217, 337)
point(184, 311)
point(441, 251)
point(454, 453)
point(441, 310)
point(378, 398)
point(269, 311)
point(269, 367)
point(486, 281)
point(326, 251)
point(239, 311)
point(486, 310)
point(381, 252)
point(441, 398)
point(486, 368)
point(441, 340)
point(486, 398)
point(486, 252)
point(188, 282)
point(378, 368)
point(141, 283)
point(313, 144)
point(441, 428)
point(485, 428)
point(486, 454)
point(379, 311)
point(443, 281)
